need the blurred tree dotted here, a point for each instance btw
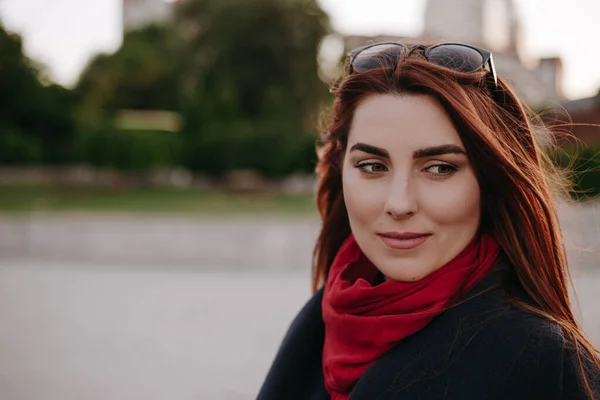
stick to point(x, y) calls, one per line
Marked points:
point(128, 150)
point(143, 74)
point(582, 166)
point(251, 57)
point(243, 74)
point(36, 122)
point(251, 64)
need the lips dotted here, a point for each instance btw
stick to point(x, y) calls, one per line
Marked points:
point(404, 235)
point(404, 240)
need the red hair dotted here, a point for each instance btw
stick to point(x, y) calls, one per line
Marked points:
point(514, 174)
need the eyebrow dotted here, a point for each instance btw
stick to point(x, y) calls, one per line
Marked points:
point(438, 151)
point(367, 148)
point(420, 153)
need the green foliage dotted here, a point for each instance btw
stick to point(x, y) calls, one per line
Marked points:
point(143, 74)
point(252, 85)
point(128, 150)
point(587, 173)
point(41, 114)
point(250, 57)
point(274, 148)
point(18, 149)
point(584, 169)
point(242, 74)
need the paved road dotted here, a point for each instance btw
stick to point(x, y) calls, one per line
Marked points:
point(71, 333)
point(74, 332)
point(80, 326)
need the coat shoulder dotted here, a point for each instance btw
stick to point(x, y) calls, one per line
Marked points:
point(540, 359)
point(484, 348)
point(296, 372)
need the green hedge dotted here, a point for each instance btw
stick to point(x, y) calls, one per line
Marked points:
point(128, 150)
point(583, 167)
point(273, 149)
point(18, 149)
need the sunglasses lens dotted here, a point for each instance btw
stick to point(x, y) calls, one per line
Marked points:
point(456, 57)
point(379, 56)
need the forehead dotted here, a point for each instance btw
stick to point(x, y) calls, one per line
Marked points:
point(402, 122)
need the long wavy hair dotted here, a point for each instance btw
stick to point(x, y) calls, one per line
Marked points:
point(515, 175)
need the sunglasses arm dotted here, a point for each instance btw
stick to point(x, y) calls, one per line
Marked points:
point(493, 69)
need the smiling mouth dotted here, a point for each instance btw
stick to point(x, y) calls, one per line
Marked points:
point(405, 241)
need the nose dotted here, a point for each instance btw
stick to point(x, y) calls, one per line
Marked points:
point(401, 200)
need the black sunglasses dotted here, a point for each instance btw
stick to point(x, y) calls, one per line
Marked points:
point(455, 56)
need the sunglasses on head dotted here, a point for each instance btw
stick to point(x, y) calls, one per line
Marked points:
point(455, 56)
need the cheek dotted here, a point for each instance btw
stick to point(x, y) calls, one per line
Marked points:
point(362, 198)
point(458, 201)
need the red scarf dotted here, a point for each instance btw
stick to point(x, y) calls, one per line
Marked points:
point(363, 321)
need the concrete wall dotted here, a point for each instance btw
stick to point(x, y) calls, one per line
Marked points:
point(273, 243)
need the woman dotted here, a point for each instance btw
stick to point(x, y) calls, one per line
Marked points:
point(441, 256)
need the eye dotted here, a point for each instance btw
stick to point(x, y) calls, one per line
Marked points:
point(441, 170)
point(371, 167)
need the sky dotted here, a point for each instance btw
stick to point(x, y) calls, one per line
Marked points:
point(67, 33)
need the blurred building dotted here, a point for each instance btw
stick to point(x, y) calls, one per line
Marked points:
point(581, 116)
point(494, 25)
point(137, 13)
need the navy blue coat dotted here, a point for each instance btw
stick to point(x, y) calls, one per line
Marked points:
point(484, 348)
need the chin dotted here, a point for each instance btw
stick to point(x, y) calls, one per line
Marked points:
point(404, 272)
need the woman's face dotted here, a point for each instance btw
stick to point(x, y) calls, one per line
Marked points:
point(412, 196)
